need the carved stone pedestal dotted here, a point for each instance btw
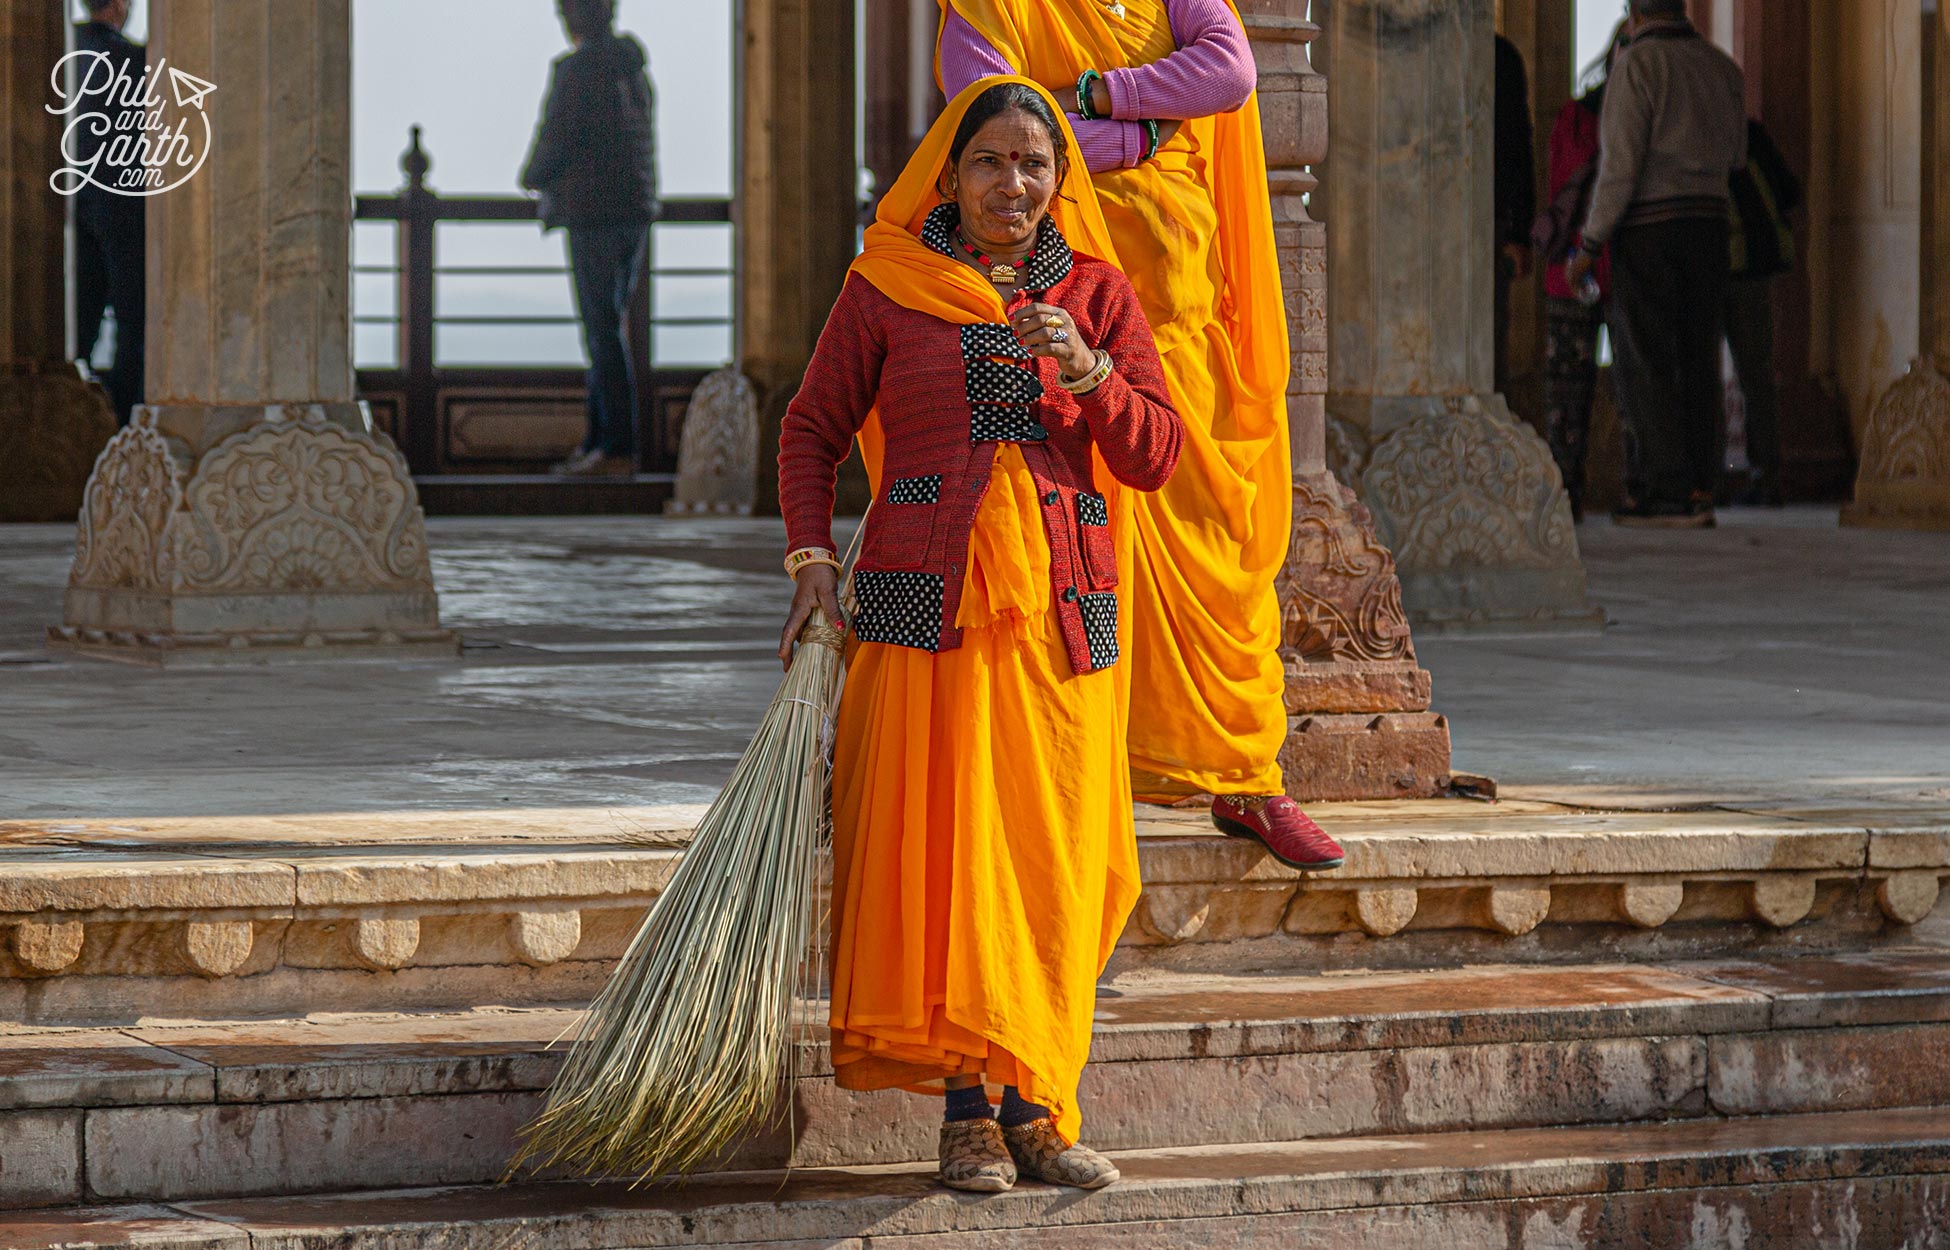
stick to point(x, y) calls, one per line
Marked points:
point(213, 534)
point(1904, 478)
point(717, 462)
point(1468, 499)
point(52, 426)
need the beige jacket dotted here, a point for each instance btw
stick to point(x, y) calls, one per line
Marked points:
point(1674, 126)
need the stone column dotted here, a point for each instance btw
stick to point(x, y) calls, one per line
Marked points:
point(1904, 478)
point(250, 511)
point(52, 424)
point(1357, 701)
point(797, 199)
point(1466, 496)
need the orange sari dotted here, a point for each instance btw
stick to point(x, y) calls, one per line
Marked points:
point(984, 855)
point(1193, 230)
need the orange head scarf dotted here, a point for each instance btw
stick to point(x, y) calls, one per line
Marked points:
point(914, 275)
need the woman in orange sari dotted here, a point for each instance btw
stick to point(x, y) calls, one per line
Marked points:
point(1009, 400)
point(1162, 93)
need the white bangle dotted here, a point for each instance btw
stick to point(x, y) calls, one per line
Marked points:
point(806, 557)
point(1091, 380)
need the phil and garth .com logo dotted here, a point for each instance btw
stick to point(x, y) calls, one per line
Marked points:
point(118, 137)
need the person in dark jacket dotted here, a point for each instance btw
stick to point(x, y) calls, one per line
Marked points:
point(1763, 193)
point(594, 164)
point(110, 255)
point(1515, 193)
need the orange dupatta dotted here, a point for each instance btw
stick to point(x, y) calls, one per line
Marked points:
point(1193, 230)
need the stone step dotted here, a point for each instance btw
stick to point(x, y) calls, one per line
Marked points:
point(1871, 1181)
point(174, 1111)
point(407, 911)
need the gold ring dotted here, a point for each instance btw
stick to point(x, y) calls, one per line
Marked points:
point(1053, 321)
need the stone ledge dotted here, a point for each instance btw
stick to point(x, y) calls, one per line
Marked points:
point(281, 1106)
point(1473, 1178)
point(235, 916)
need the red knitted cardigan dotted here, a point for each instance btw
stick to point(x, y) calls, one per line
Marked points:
point(942, 394)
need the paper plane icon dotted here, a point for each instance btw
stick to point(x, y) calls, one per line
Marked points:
point(189, 89)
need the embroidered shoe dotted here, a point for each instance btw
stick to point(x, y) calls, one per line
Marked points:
point(1277, 823)
point(1040, 1153)
point(974, 1157)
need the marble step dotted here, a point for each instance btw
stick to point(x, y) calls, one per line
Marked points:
point(173, 1111)
point(1869, 1181)
point(219, 917)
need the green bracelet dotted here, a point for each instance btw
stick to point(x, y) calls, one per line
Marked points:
point(1151, 131)
point(1084, 110)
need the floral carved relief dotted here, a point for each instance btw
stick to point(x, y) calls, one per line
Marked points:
point(1466, 489)
point(300, 504)
point(1339, 597)
point(1908, 438)
point(717, 462)
point(122, 534)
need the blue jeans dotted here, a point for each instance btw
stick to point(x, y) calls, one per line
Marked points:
point(605, 260)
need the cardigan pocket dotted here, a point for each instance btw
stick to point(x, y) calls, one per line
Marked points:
point(1094, 538)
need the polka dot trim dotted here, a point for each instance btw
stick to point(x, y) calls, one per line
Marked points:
point(1099, 627)
point(1091, 509)
point(915, 489)
point(987, 339)
point(899, 608)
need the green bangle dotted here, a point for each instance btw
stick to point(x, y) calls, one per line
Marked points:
point(1151, 132)
point(1084, 110)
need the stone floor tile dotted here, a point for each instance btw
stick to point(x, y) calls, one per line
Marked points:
point(282, 1148)
point(1146, 1015)
point(1815, 991)
point(117, 1228)
point(40, 1158)
point(1901, 1065)
point(96, 1068)
point(372, 1056)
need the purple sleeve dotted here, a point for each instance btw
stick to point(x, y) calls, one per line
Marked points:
point(1212, 71)
point(966, 56)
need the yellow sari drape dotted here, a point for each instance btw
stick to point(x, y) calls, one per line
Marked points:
point(984, 855)
point(1193, 230)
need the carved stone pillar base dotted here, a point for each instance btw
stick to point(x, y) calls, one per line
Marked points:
point(52, 426)
point(1357, 700)
point(1904, 479)
point(219, 533)
point(1469, 501)
point(717, 461)
point(1393, 755)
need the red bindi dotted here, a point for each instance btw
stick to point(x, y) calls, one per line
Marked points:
point(1015, 156)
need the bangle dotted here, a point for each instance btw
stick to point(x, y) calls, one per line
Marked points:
point(1151, 134)
point(806, 557)
point(1084, 110)
point(1091, 380)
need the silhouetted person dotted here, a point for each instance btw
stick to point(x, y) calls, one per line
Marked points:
point(111, 257)
point(1764, 192)
point(1515, 194)
point(1674, 128)
point(594, 163)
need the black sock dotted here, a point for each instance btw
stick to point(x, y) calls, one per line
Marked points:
point(1018, 1111)
point(971, 1103)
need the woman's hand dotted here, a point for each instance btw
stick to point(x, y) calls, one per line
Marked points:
point(819, 587)
point(1047, 330)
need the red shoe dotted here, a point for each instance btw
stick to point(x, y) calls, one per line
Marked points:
point(1279, 825)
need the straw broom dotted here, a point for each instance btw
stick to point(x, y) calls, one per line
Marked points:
point(693, 1040)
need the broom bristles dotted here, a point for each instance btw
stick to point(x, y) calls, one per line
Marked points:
point(693, 1040)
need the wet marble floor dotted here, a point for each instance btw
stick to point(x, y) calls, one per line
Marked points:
point(1777, 661)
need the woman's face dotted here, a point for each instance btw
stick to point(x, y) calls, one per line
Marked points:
point(1004, 181)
